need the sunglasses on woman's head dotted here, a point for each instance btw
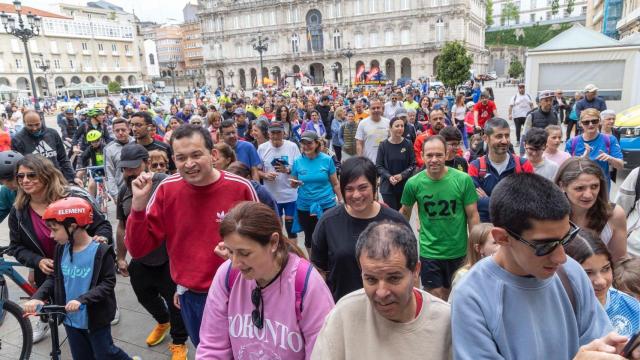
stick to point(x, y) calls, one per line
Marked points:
point(30, 175)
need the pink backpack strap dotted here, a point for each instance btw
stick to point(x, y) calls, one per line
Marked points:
point(302, 279)
point(232, 276)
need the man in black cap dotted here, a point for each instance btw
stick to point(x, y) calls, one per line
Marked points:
point(541, 117)
point(150, 277)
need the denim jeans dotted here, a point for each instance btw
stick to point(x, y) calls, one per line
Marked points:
point(192, 308)
point(96, 344)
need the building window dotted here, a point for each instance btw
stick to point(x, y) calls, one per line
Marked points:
point(388, 5)
point(126, 49)
point(337, 39)
point(18, 64)
point(71, 65)
point(373, 39)
point(54, 47)
point(117, 61)
point(388, 37)
point(114, 47)
point(152, 59)
point(85, 46)
point(56, 64)
point(70, 47)
point(405, 5)
point(583, 11)
point(358, 41)
point(532, 17)
point(358, 7)
point(339, 9)
point(405, 36)
point(295, 43)
point(372, 6)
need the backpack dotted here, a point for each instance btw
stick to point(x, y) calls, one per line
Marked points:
point(575, 139)
point(482, 171)
point(300, 285)
point(513, 99)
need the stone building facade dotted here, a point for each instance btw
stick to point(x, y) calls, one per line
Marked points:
point(399, 38)
point(82, 45)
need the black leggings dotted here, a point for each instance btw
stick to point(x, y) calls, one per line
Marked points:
point(570, 125)
point(338, 151)
point(308, 223)
point(519, 122)
point(392, 200)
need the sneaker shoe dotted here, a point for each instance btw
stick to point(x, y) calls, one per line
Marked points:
point(157, 334)
point(178, 352)
point(136, 358)
point(116, 318)
point(40, 331)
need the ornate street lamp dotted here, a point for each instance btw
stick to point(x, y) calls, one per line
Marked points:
point(24, 33)
point(348, 53)
point(260, 45)
point(172, 66)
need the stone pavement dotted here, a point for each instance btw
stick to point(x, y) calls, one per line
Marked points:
point(129, 334)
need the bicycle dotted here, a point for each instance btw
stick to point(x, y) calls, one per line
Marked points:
point(53, 315)
point(12, 316)
point(101, 195)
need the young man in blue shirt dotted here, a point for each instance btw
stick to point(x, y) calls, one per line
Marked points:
point(245, 151)
point(529, 300)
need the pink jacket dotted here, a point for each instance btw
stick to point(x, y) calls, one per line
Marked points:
point(228, 332)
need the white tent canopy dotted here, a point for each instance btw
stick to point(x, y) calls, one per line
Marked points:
point(84, 89)
point(581, 56)
point(5, 89)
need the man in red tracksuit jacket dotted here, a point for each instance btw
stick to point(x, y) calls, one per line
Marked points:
point(185, 211)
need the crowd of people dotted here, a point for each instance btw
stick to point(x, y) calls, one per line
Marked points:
point(281, 226)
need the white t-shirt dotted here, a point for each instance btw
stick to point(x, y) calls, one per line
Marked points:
point(372, 133)
point(521, 105)
point(547, 169)
point(501, 167)
point(280, 189)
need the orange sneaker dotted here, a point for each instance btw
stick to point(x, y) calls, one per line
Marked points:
point(178, 352)
point(157, 334)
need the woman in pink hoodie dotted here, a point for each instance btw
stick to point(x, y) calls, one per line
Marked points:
point(267, 301)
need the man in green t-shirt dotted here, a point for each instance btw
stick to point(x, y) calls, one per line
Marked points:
point(446, 200)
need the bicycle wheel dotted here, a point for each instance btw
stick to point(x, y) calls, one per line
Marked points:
point(16, 335)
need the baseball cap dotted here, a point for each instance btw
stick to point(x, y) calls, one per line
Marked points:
point(276, 126)
point(590, 88)
point(239, 111)
point(546, 94)
point(309, 136)
point(131, 155)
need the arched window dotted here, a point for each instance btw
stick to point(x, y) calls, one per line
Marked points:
point(152, 59)
point(314, 30)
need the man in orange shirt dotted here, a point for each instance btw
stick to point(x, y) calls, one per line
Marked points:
point(437, 122)
point(360, 113)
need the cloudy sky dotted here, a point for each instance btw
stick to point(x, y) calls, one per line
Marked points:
point(150, 10)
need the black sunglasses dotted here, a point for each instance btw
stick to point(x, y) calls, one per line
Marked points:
point(546, 246)
point(590, 122)
point(30, 175)
point(257, 315)
point(158, 165)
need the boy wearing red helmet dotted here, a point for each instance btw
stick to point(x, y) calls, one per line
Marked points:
point(84, 279)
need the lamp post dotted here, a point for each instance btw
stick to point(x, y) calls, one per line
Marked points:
point(24, 33)
point(230, 73)
point(172, 66)
point(44, 65)
point(348, 53)
point(260, 45)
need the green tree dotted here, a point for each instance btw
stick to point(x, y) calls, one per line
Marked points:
point(453, 64)
point(114, 87)
point(570, 5)
point(516, 70)
point(489, 16)
point(555, 7)
point(510, 11)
